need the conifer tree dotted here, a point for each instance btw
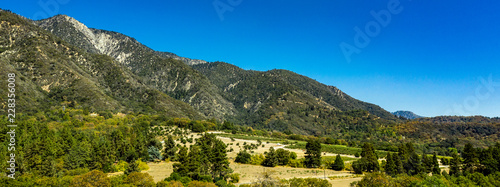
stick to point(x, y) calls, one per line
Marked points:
point(338, 165)
point(283, 156)
point(170, 148)
point(181, 167)
point(368, 153)
point(426, 164)
point(243, 157)
point(470, 158)
point(271, 159)
point(193, 162)
point(313, 154)
point(455, 165)
point(399, 164)
point(390, 165)
point(414, 164)
point(132, 167)
point(220, 165)
point(435, 165)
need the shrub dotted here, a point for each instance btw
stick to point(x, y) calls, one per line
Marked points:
point(338, 165)
point(257, 159)
point(223, 183)
point(142, 165)
point(296, 163)
point(243, 157)
point(201, 184)
point(235, 177)
point(121, 165)
point(140, 179)
point(93, 178)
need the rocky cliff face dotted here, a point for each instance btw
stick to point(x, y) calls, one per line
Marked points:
point(166, 72)
point(50, 71)
point(110, 71)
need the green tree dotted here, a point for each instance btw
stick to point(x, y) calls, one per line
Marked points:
point(170, 148)
point(181, 167)
point(93, 178)
point(455, 165)
point(283, 156)
point(399, 164)
point(435, 165)
point(140, 179)
point(368, 153)
point(154, 153)
point(426, 164)
point(338, 165)
point(414, 164)
point(243, 157)
point(470, 158)
point(132, 167)
point(313, 154)
point(271, 159)
point(220, 165)
point(390, 166)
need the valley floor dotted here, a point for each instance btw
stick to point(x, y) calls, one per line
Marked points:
point(250, 173)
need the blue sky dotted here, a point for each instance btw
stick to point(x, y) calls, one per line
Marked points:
point(430, 57)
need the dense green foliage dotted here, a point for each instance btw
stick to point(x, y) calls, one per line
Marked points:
point(49, 71)
point(338, 164)
point(475, 167)
point(368, 161)
point(243, 157)
point(313, 154)
point(206, 157)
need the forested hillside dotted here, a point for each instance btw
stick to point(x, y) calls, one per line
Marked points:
point(51, 72)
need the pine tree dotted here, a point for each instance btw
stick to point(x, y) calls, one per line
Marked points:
point(283, 156)
point(368, 153)
point(398, 163)
point(271, 159)
point(193, 162)
point(181, 167)
point(426, 164)
point(470, 158)
point(220, 165)
point(206, 144)
point(154, 153)
point(243, 157)
point(132, 167)
point(455, 165)
point(338, 165)
point(119, 144)
point(435, 165)
point(414, 164)
point(390, 165)
point(313, 154)
point(170, 148)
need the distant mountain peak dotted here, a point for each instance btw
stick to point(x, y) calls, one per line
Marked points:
point(406, 114)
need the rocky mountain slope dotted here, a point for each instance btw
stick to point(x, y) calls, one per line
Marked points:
point(166, 72)
point(105, 70)
point(281, 99)
point(406, 114)
point(50, 72)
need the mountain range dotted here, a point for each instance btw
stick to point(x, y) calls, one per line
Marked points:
point(406, 114)
point(60, 61)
